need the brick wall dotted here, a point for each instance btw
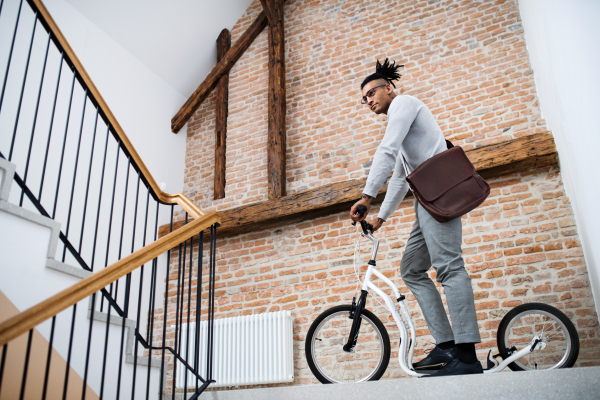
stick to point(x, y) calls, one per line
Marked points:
point(468, 62)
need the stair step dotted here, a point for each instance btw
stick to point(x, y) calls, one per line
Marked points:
point(575, 383)
point(130, 329)
point(7, 171)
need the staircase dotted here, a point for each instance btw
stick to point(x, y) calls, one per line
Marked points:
point(91, 300)
point(31, 274)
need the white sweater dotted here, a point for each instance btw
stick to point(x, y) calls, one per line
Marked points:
point(412, 130)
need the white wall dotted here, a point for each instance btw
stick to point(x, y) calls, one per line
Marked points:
point(141, 101)
point(562, 40)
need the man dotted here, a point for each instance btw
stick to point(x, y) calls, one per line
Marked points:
point(412, 136)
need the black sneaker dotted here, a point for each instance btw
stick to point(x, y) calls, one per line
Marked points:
point(456, 367)
point(436, 359)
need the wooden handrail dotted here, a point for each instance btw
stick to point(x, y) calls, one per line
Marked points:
point(32, 317)
point(179, 198)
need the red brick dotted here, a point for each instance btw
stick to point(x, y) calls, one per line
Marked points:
point(516, 236)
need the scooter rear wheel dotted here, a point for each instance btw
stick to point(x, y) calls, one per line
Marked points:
point(560, 342)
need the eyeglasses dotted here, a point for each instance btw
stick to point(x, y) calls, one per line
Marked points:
point(370, 93)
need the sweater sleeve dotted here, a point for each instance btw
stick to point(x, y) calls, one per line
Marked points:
point(397, 189)
point(401, 114)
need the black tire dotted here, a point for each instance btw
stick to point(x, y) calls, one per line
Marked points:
point(369, 322)
point(562, 340)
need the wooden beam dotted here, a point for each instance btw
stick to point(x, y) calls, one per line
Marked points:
point(512, 151)
point(32, 317)
point(221, 110)
point(491, 161)
point(61, 42)
point(276, 143)
point(222, 67)
point(271, 10)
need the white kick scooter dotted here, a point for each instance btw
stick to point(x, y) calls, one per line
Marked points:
point(348, 343)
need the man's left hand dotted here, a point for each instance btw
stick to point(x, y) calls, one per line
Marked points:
point(376, 222)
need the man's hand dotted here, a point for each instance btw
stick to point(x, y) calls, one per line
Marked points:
point(376, 222)
point(365, 201)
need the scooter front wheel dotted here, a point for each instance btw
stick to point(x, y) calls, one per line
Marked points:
point(327, 359)
point(559, 345)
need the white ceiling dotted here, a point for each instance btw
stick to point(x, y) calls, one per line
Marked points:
point(174, 38)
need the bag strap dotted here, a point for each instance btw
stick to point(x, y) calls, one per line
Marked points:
point(404, 163)
point(449, 145)
point(406, 172)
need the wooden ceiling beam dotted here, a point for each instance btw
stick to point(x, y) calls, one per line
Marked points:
point(490, 161)
point(221, 68)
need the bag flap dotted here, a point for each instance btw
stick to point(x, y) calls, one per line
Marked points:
point(441, 173)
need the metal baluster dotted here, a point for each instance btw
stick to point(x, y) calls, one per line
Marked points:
point(48, 359)
point(62, 55)
point(12, 144)
point(123, 218)
point(69, 353)
point(151, 306)
point(208, 360)
point(197, 360)
point(62, 156)
point(27, 353)
point(187, 340)
point(182, 306)
point(211, 294)
point(208, 303)
point(137, 330)
point(124, 319)
point(100, 199)
point(2, 363)
point(112, 205)
point(128, 282)
point(162, 365)
point(87, 187)
point(137, 194)
point(37, 106)
point(137, 321)
point(87, 353)
point(151, 295)
point(75, 172)
point(12, 46)
point(105, 353)
point(178, 318)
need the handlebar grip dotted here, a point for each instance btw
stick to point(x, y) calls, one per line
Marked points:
point(361, 210)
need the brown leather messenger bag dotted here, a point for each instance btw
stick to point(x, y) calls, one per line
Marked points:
point(446, 185)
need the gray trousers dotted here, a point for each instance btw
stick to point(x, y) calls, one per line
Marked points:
point(437, 244)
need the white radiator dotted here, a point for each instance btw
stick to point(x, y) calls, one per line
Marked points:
point(249, 350)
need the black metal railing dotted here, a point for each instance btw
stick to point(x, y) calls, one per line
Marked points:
point(73, 167)
point(76, 350)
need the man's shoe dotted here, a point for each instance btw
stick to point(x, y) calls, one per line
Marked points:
point(436, 359)
point(456, 367)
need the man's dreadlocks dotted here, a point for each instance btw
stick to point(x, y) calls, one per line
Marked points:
point(385, 71)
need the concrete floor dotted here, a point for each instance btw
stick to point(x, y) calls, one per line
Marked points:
point(576, 383)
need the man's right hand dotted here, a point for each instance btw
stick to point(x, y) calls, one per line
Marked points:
point(365, 201)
